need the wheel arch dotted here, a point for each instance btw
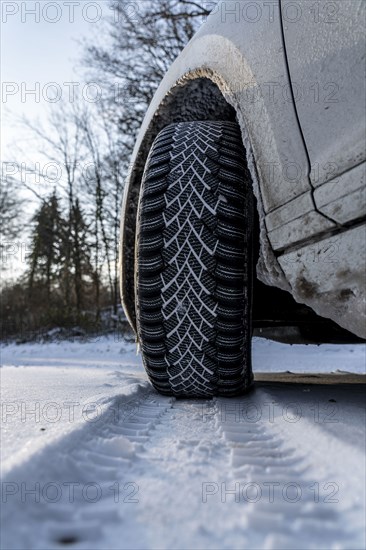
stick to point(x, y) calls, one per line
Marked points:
point(200, 94)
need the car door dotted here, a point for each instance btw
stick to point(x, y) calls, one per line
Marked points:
point(325, 47)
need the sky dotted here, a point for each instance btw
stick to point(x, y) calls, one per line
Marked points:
point(40, 50)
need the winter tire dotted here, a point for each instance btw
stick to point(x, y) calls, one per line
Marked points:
point(194, 262)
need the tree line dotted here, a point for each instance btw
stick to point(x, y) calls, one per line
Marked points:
point(71, 265)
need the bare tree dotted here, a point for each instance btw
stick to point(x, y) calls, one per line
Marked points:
point(141, 46)
point(10, 208)
point(11, 217)
point(103, 181)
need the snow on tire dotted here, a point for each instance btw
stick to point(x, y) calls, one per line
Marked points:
point(194, 262)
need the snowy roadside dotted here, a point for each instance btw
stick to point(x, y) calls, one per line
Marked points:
point(110, 351)
point(94, 458)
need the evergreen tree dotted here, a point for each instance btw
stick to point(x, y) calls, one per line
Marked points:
point(80, 255)
point(46, 246)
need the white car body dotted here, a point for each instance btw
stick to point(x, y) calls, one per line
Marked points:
point(293, 73)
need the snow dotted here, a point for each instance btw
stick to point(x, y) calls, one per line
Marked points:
point(112, 464)
point(108, 351)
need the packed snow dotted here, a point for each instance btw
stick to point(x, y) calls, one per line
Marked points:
point(94, 458)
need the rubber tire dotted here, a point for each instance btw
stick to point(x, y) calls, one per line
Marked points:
point(194, 262)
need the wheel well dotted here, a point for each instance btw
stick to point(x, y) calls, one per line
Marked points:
point(190, 99)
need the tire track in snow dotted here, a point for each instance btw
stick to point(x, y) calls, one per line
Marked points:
point(160, 465)
point(69, 492)
point(288, 504)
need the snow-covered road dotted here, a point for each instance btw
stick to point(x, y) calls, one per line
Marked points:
point(94, 458)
